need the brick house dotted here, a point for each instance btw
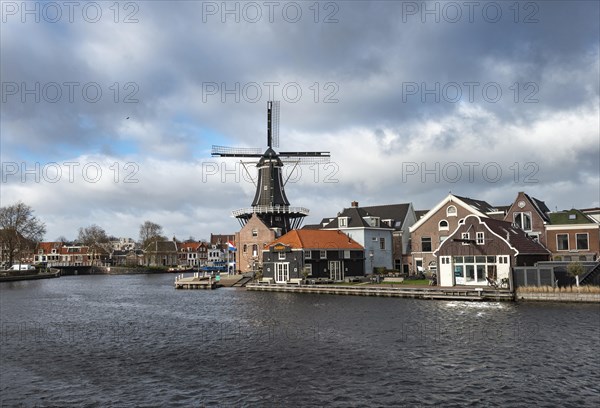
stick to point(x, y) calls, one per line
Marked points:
point(481, 248)
point(530, 215)
point(161, 253)
point(573, 236)
point(49, 253)
point(433, 228)
point(250, 241)
point(321, 253)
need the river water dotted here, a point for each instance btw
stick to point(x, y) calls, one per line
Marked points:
point(133, 340)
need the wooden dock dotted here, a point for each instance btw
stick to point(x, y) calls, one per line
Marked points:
point(473, 293)
point(195, 282)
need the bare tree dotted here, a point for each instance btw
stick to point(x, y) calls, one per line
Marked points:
point(20, 231)
point(149, 232)
point(95, 238)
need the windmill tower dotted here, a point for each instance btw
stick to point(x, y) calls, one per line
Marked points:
point(270, 202)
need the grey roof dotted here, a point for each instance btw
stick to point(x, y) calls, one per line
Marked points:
point(162, 246)
point(515, 236)
point(420, 213)
point(540, 207)
point(395, 212)
point(479, 205)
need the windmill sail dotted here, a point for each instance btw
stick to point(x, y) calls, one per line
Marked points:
point(270, 202)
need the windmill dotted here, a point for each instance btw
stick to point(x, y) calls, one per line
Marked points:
point(270, 203)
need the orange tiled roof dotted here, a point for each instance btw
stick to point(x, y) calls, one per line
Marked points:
point(49, 246)
point(326, 239)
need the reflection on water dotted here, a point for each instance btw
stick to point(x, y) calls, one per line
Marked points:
point(134, 340)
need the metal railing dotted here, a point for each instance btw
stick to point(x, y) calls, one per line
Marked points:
point(270, 209)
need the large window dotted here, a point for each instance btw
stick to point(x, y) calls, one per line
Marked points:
point(523, 221)
point(474, 269)
point(582, 241)
point(562, 242)
point(426, 244)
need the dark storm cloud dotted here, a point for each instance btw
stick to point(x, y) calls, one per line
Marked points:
point(366, 64)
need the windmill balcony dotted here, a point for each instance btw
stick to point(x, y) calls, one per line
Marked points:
point(270, 209)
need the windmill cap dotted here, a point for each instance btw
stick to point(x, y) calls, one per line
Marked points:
point(269, 155)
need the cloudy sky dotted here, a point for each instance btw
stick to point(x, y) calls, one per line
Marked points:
point(109, 111)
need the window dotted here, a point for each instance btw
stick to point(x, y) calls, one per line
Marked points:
point(323, 254)
point(562, 242)
point(522, 220)
point(426, 244)
point(308, 269)
point(451, 211)
point(480, 237)
point(465, 235)
point(281, 256)
point(346, 254)
point(245, 248)
point(443, 238)
point(443, 225)
point(343, 222)
point(307, 254)
point(582, 241)
point(255, 232)
point(381, 243)
point(254, 250)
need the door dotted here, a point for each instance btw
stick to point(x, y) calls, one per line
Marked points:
point(335, 271)
point(282, 272)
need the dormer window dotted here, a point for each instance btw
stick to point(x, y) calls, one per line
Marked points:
point(451, 211)
point(343, 222)
point(443, 225)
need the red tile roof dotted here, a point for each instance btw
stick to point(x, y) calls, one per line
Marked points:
point(313, 239)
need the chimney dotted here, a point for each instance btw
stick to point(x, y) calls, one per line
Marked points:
point(354, 204)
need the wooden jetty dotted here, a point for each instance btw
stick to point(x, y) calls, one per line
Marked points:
point(463, 293)
point(195, 282)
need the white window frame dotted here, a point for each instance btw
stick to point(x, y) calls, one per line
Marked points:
point(443, 228)
point(587, 239)
point(281, 256)
point(343, 222)
point(336, 270)
point(307, 254)
point(281, 272)
point(450, 213)
point(323, 254)
point(465, 235)
point(480, 237)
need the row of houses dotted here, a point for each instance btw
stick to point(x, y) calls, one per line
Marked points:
point(125, 252)
point(463, 240)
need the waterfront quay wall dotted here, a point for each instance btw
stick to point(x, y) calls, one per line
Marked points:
point(106, 270)
point(466, 293)
point(558, 297)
